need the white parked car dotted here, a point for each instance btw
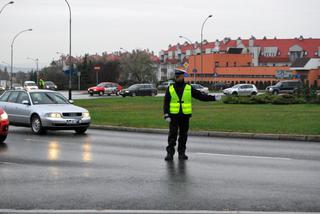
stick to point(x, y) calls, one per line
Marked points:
point(30, 85)
point(241, 90)
point(200, 88)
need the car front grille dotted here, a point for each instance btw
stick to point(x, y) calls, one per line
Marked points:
point(72, 114)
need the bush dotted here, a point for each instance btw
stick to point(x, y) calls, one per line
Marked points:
point(288, 99)
point(315, 100)
point(265, 99)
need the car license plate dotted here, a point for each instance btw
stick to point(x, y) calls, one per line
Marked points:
point(72, 122)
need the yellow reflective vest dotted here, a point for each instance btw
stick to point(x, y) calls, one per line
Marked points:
point(185, 101)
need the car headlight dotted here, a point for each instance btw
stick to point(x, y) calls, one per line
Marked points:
point(85, 114)
point(127, 91)
point(54, 115)
point(4, 116)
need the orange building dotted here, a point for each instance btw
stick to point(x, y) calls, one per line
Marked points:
point(236, 68)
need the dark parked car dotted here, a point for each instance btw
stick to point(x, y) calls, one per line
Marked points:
point(50, 86)
point(139, 90)
point(165, 85)
point(287, 86)
point(220, 86)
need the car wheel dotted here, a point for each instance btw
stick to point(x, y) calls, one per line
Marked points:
point(80, 130)
point(36, 125)
point(91, 94)
point(153, 94)
point(101, 93)
point(254, 93)
point(134, 94)
point(234, 93)
point(275, 92)
point(3, 138)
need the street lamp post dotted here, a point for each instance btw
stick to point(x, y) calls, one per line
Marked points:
point(201, 47)
point(37, 67)
point(70, 60)
point(194, 70)
point(11, 69)
point(11, 2)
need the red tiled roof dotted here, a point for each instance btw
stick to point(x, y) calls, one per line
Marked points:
point(263, 59)
point(309, 45)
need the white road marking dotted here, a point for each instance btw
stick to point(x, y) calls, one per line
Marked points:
point(149, 211)
point(7, 163)
point(243, 156)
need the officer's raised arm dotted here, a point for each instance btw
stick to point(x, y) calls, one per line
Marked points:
point(202, 96)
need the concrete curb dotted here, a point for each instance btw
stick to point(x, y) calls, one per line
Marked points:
point(289, 137)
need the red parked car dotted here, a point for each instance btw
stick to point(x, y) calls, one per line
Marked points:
point(105, 88)
point(4, 125)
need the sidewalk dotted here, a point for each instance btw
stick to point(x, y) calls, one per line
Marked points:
point(289, 137)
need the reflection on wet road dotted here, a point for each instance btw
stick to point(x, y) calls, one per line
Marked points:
point(119, 170)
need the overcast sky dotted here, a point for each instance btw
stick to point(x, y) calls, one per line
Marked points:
point(107, 25)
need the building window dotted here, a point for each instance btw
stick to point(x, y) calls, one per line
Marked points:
point(216, 64)
point(227, 64)
point(235, 64)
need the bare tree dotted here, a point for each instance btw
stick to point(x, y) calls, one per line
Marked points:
point(138, 67)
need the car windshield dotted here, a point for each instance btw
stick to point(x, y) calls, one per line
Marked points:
point(196, 86)
point(40, 98)
point(101, 85)
point(236, 86)
point(30, 84)
point(133, 87)
point(49, 83)
point(278, 84)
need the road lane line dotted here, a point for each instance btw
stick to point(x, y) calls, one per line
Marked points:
point(1, 162)
point(149, 211)
point(243, 156)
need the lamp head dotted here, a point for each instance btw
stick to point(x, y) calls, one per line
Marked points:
point(209, 16)
point(11, 2)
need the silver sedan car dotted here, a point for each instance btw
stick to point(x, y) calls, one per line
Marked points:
point(42, 110)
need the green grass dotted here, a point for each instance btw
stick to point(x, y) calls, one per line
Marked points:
point(216, 116)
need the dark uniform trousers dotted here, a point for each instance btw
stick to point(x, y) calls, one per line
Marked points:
point(181, 123)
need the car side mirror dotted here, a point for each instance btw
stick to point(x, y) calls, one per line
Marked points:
point(71, 101)
point(25, 102)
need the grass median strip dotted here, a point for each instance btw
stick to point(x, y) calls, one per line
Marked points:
point(147, 112)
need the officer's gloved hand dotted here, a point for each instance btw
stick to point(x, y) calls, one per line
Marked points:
point(167, 118)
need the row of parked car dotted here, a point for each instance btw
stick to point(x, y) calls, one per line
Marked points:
point(288, 86)
point(31, 85)
point(110, 88)
point(145, 89)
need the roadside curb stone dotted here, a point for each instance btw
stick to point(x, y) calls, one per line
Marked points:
point(263, 136)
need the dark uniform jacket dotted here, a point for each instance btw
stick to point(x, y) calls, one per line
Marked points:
point(179, 88)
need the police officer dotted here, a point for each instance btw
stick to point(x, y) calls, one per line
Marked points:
point(41, 83)
point(177, 109)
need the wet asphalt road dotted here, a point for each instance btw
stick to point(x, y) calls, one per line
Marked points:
point(126, 171)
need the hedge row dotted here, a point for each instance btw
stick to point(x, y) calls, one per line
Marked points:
point(269, 99)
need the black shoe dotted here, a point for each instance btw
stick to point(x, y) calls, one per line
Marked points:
point(168, 157)
point(183, 157)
